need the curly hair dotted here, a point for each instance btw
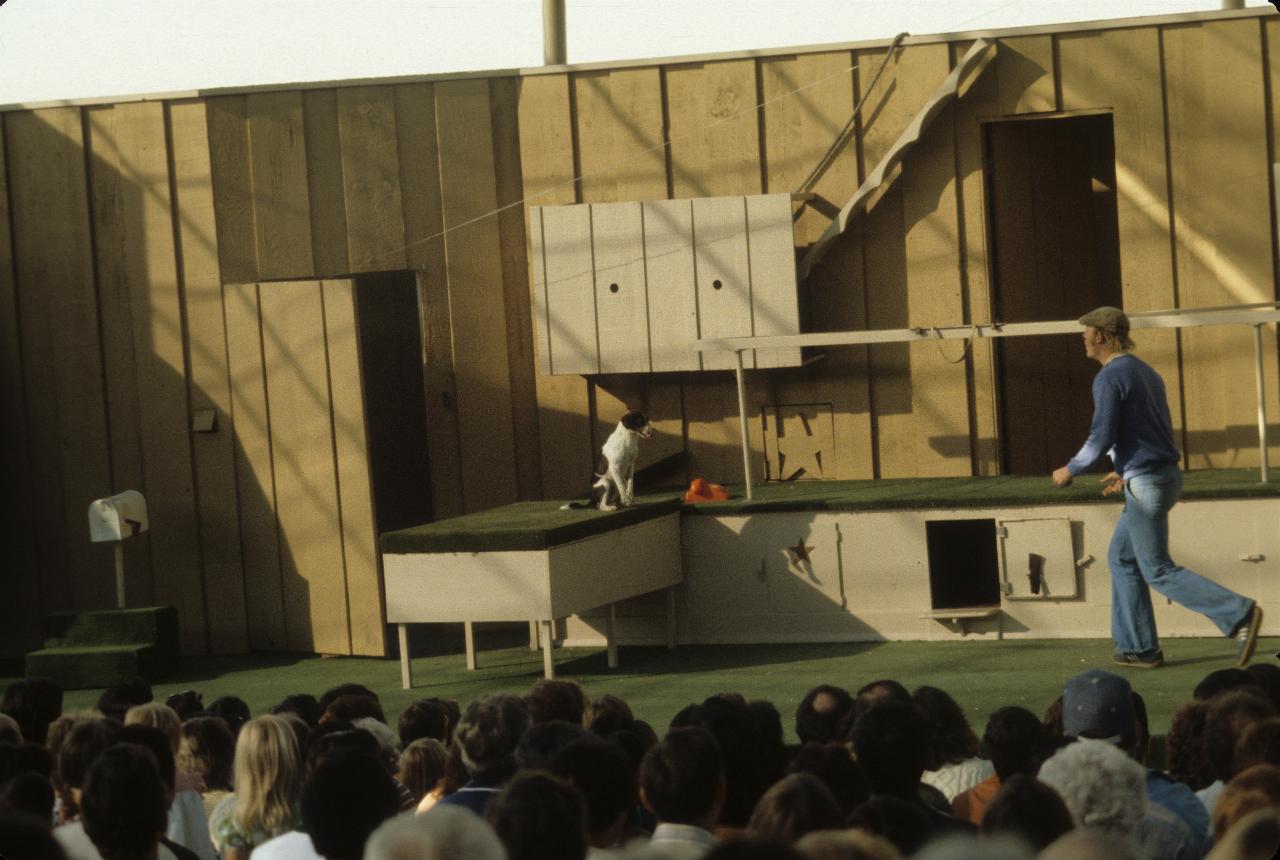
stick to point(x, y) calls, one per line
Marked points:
point(1102, 786)
point(951, 739)
point(1184, 756)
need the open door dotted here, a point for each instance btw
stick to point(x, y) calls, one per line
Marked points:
point(1054, 238)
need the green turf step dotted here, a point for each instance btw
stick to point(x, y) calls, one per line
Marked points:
point(78, 668)
point(149, 625)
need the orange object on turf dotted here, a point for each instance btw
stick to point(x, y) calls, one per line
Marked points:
point(701, 490)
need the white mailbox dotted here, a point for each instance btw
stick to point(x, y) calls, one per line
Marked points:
point(117, 517)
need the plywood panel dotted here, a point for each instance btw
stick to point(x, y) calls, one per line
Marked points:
point(547, 173)
point(715, 140)
point(723, 275)
point(20, 615)
point(302, 457)
point(570, 289)
point(622, 323)
point(371, 178)
point(771, 251)
point(423, 223)
point(61, 350)
point(110, 192)
point(255, 482)
point(619, 125)
point(360, 557)
point(1024, 72)
point(232, 188)
point(673, 309)
point(1221, 215)
point(281, 199)
point(325, 182)
point(213, 453)
point(472, 246)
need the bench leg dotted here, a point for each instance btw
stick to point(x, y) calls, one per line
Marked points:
point(611, 636)
point(470, 635)
point(533, 636)
point(406, 671)
point(548, 665)
point(671, 617)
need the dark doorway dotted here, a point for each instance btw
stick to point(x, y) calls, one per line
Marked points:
point(963, 566)
point(1055, 254)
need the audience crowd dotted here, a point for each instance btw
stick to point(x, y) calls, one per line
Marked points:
point(878, 774)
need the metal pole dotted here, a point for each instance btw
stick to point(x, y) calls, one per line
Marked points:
point(742, 418)
point(1262, 402)
point(120, 574)
point(555, 44)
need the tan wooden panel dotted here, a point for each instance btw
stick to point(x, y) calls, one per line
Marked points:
point(302, 458)
point(723, 274)
point(371, 178)
point(503, 94)
point(420, 195)
point(774, 300)
point(360, 556)
point(538, 283)
point(213, 453)
point(324, 182)
point(713, 430)
point(1142, 199)
point(232, 188)
point(619, 125)
point(1221, 215)
point(20, 615)
point(622, 323)
point(114, 238)
point(1024, 72)
point(255, 483)
point(715, 138)
point(673, 308)
point(281, 199)
point(151, 271)
point(61, 350)
point(464, 132)
point(570, 289)
point(547, 172)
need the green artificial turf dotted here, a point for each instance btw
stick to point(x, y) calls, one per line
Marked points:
point(657, 682)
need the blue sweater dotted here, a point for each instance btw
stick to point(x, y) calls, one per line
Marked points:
point(1130, 420)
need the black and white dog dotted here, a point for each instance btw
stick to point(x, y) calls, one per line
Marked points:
point(615, 473)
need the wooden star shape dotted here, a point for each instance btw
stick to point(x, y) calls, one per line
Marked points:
point(800, 551)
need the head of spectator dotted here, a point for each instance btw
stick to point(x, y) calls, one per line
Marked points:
point(729, 719)
point(823, 714)
point(351, 708)
point(556, 699)
point(186, 704)
point(1252, 789)
point(682, 778)
point(541, 741)
point(18, 758)
point(117, 699)
point(33, 703)
point(267, 776)
point(124, 805)
point(900, 822)
point(388, 740)
point(950, 740)
point(602, 772)
point(10, 731)
point(87, 740)
point(834, 765)
point(606, 715)
point(444, 833)
point(968, 846)
point(349, 689)
point(487, 735)
point(22, 835)
point(1220, 681)
point(752, 849)
point(1101, 785)
point(28, 792)
point(344, 800)
point(1253, 837)
point(455, 772)
point(1099, 705)
point(1266, 676)
point(538, 816)
point(870, 695)
point(1028, 808)
point(1053, 718)
point(157, 716)
point(233, 711)
point(793, 806)
point(1184, 756)
point(1093, 843)
point(1013, 741)
point(1230, 713)
point(771, 750)
point(207, 748)
point(1259, 744)
point(421, 766)
point(301, 731)
point(302, 704)
point(846, 845)
point(337, 735)
point(887, 742)
point(426, 718)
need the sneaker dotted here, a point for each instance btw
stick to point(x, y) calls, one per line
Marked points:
point(1247, 634)
point(1144, 660)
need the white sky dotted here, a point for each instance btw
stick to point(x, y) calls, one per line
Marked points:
point(56, 49)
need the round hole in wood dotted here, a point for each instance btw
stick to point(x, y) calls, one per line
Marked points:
point(613, 288)
point(715, 285)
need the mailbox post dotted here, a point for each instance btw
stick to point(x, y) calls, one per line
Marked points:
point(114, 519)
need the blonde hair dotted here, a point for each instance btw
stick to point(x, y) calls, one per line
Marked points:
point(422, 766)
point(268, 775)
point(157, 716)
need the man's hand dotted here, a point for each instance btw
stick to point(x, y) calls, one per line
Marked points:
point(1112, 484)
point(1062, 477)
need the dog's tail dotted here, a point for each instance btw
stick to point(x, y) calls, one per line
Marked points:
point(576, 505)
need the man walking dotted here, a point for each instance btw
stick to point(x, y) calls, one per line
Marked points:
point(1131, 423)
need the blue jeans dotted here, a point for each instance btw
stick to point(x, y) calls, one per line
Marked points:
point(1139, 556)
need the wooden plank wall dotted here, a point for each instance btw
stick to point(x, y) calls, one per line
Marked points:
point(122, 227)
